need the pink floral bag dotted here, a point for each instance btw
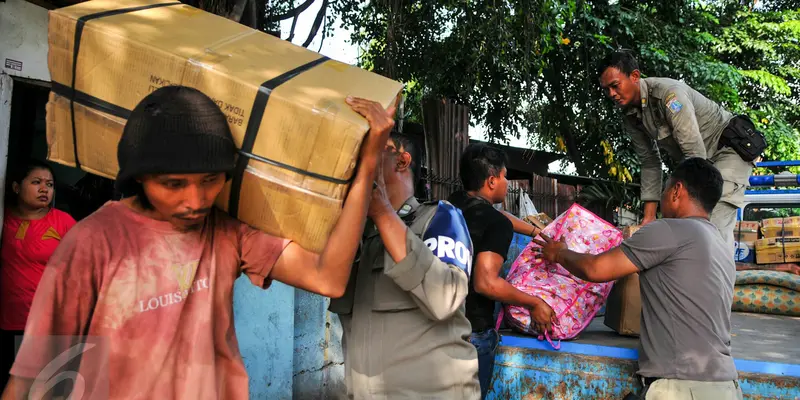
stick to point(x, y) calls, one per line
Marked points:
point(574, 301)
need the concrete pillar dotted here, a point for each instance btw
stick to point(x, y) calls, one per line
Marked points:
point(6, 90)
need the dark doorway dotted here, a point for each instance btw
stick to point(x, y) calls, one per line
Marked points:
point(77, 193)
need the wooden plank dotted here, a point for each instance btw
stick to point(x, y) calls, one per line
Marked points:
point(446, 135)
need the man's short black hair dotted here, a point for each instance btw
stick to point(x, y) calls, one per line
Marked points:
point(404, 141)
point(702, 180)
point(623, 60)
point(478, 163)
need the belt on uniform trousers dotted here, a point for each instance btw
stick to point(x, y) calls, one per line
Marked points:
point(647, 381)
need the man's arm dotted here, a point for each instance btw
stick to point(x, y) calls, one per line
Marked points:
point(647, 248)
point(520, 226)
point(680, 115)
point(488, 282)
point(17, 388)
point(438, 288)
point(604, 267)
point(61, 311)
point(327, 273)
point(650, 160)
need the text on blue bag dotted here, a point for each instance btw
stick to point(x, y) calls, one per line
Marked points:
point(448, 238)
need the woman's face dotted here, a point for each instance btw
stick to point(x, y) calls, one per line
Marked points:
point(36, 190)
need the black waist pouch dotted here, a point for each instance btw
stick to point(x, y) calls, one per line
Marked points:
point(741, 135)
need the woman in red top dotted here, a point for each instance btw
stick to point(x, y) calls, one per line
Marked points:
point(32, 229)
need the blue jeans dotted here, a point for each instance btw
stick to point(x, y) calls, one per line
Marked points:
point(486, 343)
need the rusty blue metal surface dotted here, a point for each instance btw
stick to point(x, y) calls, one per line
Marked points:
point(522, 373)
point(526, 368)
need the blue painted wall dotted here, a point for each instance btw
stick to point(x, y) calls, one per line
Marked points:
point(318, 360)
point(290, 344)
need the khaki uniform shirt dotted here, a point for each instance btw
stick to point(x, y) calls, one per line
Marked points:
point(405, 333)
point(676, 118)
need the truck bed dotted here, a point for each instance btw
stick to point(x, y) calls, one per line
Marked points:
point(756, 337)
point(600, 364)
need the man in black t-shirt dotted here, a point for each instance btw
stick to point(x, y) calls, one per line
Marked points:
point(483, 174)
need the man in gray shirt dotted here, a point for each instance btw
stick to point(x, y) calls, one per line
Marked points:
point(687, 278)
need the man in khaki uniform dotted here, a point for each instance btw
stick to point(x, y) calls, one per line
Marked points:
point(663, 113)
point(403, 316)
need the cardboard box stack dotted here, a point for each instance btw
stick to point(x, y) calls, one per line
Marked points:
point(781, 242)
point(284, 103)
point(624, 304)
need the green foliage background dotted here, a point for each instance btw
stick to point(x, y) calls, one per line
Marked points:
point(529, 67)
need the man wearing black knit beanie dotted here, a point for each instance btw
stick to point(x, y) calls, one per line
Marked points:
point(152, 275)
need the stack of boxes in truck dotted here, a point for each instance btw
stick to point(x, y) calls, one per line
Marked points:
point(779, 241)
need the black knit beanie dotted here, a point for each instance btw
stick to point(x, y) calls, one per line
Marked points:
point(174, 130)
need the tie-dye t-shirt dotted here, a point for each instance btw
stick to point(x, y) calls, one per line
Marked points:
point(155, 304)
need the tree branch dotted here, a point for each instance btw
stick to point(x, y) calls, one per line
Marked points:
point(317, 23)
point(322, 39)
point(291, 31)
point(292, 13)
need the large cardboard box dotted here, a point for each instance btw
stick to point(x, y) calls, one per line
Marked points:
point(624, 304)
point(780, 227)
point(746, 231)
point(778, 250)
point(284, 103)
point(624, 307)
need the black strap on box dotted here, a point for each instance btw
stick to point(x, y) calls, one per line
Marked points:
point(251, 132)
point(89, 101)
point(739, 235)
point(783, 247)
point(738, 242)
point(783, 237)
point(76, 48)
point(253, 125)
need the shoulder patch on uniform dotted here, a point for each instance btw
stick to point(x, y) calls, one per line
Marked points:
point(673, 104)
point(448, 238)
